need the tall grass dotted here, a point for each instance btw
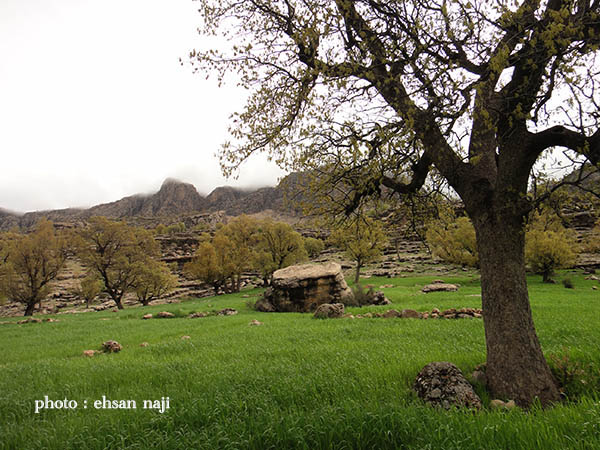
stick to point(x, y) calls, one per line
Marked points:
point(293, 382)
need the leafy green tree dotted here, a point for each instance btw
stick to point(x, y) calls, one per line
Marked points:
point(362, 239)
point(115, 252)
point(242, 233)
point(154, 280)
point(592, 242)
point(278, 246)
point(453, 241)
point(161, 229)
point(548, 245)
point(30, 263)
point(89, 288)
point(313, 246)
point(372, 93)
point(211, 263)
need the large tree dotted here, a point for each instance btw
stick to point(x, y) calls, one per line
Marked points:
point(116, 253)
point(389, 92)
point(29, 263)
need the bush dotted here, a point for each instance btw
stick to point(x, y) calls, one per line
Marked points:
point(568, 283)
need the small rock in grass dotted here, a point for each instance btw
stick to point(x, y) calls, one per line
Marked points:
point(29, 320)
point(410, 314)
point(329, 311)
point(227, 312)
point(440, 287)
point(392, 313)
point(51, 320)
point(185, 337)
point(89, 353)
point(197, 315)
point(594, 288)
point(255, 323)
point(497, 404)
point(112, 347)
point(147, 316)
point(144, 344)
point(510, 404)
point(165, 315)
point(443, 384)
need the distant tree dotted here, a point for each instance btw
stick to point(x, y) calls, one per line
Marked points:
point(176, 228)
point(30, 263)
point(115, 252)
point(548, 245)
point(278, 246)
point(154, 280)
point(313, 246)
point(161, 229)
point(89, 288)
point(453, 240)
point(592, 242)
point(242, 233)
point(210, 263)
point(362, 239)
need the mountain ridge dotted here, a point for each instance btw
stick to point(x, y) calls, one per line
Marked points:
point(174, 198)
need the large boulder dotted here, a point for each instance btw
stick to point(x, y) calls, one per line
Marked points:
point(443, 384)
point(302, 288)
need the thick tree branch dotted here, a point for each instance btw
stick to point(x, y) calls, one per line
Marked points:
point(559, 136)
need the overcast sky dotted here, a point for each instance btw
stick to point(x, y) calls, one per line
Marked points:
point(94, 104)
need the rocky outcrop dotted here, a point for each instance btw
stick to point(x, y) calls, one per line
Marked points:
point(302, 288)
point(443, 384)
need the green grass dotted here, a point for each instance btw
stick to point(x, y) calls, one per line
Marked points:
point(294, 382)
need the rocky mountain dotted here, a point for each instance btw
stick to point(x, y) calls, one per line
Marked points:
point(174, 199)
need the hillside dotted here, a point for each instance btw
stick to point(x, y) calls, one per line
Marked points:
point(174, 199)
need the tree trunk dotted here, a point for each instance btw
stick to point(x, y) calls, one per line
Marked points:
point(29, 309)
point(516, 368)
point(118, 302)
point(357, 273)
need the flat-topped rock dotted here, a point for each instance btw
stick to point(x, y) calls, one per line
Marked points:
point(302, 288)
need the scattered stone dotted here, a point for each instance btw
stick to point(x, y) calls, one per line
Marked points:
point(594, 288)
point(302, 288)
point(111, 347)
point(443, 384)
point(227, 312)
point(497, 404)
point(29, 320)
point(379, 298)
point(198, 315)
point(50, 320)
point(185, 337)
point(440, 287)
point(368, 315)
point(329, 311)
point(438, 282)
point(410, 314)
point(144, 344)
point(510, 404)
point(386, 286)
point(147, 316)
point(255, 323)
point(89, 353)
point(392, 313)
point(592, 277)
point(165, 315)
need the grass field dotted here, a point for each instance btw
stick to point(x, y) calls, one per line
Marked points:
point(294, 382)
